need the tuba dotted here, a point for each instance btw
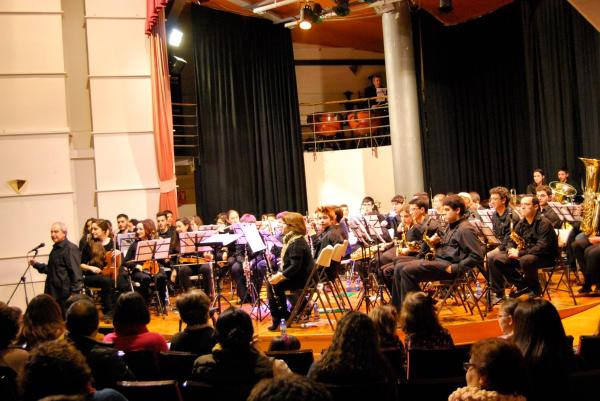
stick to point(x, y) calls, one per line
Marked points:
point(562, 191)
point(590, 212)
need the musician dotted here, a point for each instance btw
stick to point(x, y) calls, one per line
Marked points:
point(297, 263)
point(459, 249)
point(544, 194)
point(170, 219)
point(541, 248)
point(145, 230)
point(94, 260)
point(123, 224)
point(501, 224)
point(475, 202)
point(87, 233)
point(165, 230)
point(539, 178)
point(587, 253)
point(184, 272)
point(63, 274)
point(233, 217)
point(563, 177)
point(195, 222)
point(438, 203)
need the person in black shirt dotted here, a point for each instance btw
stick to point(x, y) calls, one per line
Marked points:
point(198, 336)
point(297, 263)
point(539, 178)
point(563, 177)
point(544, 194)
point(541, 248)
point(459, 249)
point(331, 234)
point(501, 224)
point(63, 274)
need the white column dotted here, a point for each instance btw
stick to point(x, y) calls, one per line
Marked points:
point(403, 101)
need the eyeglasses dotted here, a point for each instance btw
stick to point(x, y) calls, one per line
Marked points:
point(468, 365)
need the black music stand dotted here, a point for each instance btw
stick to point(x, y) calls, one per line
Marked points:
point(189, 243)
point(216, 242)
point(153, 250)
point(23, 280)
point(487, 236)
point(124, 241)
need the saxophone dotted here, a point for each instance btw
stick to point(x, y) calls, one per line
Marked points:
point(515, 237)
point(590, 212)
point(431, 254)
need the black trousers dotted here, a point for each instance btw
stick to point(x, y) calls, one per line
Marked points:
point(106, 289)
point(276, 295)
point(393, 272)
point(592, 265)
point(412, 273)
point(258, 272)
point(521, 272)
point(185, 272)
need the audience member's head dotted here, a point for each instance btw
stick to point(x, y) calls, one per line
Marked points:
point(506, 316)
point(234, 330)
point(539, 332)
point(43, 321)
point(130, 312)
point(285, 343)
point(10, 322)
point(76, 297)
point(193, 307)
point(289, 388)
point(418, 314)
point(385, 319)
point(496, 365)
point(82, 318)
point(55, 367)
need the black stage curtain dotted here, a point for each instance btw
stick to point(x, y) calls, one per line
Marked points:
point(249, 125)
point(505, 94)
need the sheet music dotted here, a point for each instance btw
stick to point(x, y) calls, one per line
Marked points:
point(485, 233)
point(124, 241)
point(188, 241)
point(222, 239)
point(485, 215)
point(253, 238)
point(568, 212)
point(157, 247)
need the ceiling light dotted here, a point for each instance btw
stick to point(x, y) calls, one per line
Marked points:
point(175, 37)
point(305, 17)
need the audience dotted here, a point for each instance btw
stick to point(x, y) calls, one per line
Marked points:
point(198, 336)
point(10, 321)
point(354, 356)
point(385, 319)
point(43, 321)
point(420, 323)
point(106, 366)
point(57, 368)
point(130, 319)
point(495, 372)
point(289, 388)
point(549, 358)
point(235, 356)
point(506, 319)
point(284, 343)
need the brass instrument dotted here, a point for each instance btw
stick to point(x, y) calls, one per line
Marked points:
point(368, 253)
point(431, 254)
point(590, 212)
point(412, 246)
point(514, 199)
point(562, 191)
point(515, 237)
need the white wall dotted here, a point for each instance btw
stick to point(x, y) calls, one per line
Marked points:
point(121, 108)
point(34, 136)
point(347, 176)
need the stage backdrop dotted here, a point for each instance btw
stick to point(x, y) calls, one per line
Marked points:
point(507, 93)
point(249, 137)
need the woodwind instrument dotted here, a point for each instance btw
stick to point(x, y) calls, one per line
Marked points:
point(515, 237)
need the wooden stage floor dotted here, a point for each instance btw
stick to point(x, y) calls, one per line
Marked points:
point(581, 319)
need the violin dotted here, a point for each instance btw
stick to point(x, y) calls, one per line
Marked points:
point(112, 264)
point(151, 266)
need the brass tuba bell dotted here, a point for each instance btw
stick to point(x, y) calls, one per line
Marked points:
point(590, 212)
point(562, 191)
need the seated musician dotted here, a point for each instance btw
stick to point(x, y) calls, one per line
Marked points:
point(563, 177)
point(405, 233)
point(331, 234)
point(587, 253)
point(166, 230)
point(393, 218)
point(538, 248)
point(141, 271)
point(243, 264)
point(123, 224)
point(182, 274)
point(297, 262)
point(95, 256)
point(438, 204)
point(459, 249)
point(501, 224)
point(544, 195)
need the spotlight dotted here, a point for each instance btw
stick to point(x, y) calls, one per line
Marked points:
point(176, 65)
point(306, 15)
point(445, 6)
point(175, 37)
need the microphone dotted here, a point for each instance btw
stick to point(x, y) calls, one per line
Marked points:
point(38, 247)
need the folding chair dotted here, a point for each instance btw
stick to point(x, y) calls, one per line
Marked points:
point(461, 290)
point(546, 273)
point(338, 254)
point(311, 289)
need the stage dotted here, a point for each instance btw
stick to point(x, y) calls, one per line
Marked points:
point(580, 319)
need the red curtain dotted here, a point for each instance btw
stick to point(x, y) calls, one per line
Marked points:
point(154, 9)
point(162, 114)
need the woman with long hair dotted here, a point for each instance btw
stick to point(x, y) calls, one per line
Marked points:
point(297, 261)
point(539, 178)
point(354, 355)
point(43, 321)
point(86, 235)
point(182, 274)
point(420, 323)
point(549, 357)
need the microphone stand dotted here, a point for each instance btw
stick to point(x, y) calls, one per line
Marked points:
point(23, 280)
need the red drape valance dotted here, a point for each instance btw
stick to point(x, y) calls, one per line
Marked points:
point(153, 10)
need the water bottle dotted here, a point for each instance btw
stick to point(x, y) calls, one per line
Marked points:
point(316, 316)
point(283, 329)
point(478, 290)
point(348, 281)
point(357, 282)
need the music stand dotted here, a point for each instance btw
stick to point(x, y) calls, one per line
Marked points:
point(486, 234)
point(152, 250)
point(566, 213)
point(189, 243)
point(215, 242)
point(124, 241)
point(485, 215)
point(254, 240)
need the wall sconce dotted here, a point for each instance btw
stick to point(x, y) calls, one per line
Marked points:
point(16, 185)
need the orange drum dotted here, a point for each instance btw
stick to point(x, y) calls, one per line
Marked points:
point(327, 124)
point(363, 123)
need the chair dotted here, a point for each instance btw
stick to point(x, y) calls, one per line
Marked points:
point(583, 386)
point(380, 391)
point(340, 292)
point(461, 289)
point(396, 357)
point(589, 351)
point(561, 266)
point(298, 361)
point(164, 390)
point(8, 384)
point(143, 364)
point(311, 288)
point(174, 365)
point(199, 391)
